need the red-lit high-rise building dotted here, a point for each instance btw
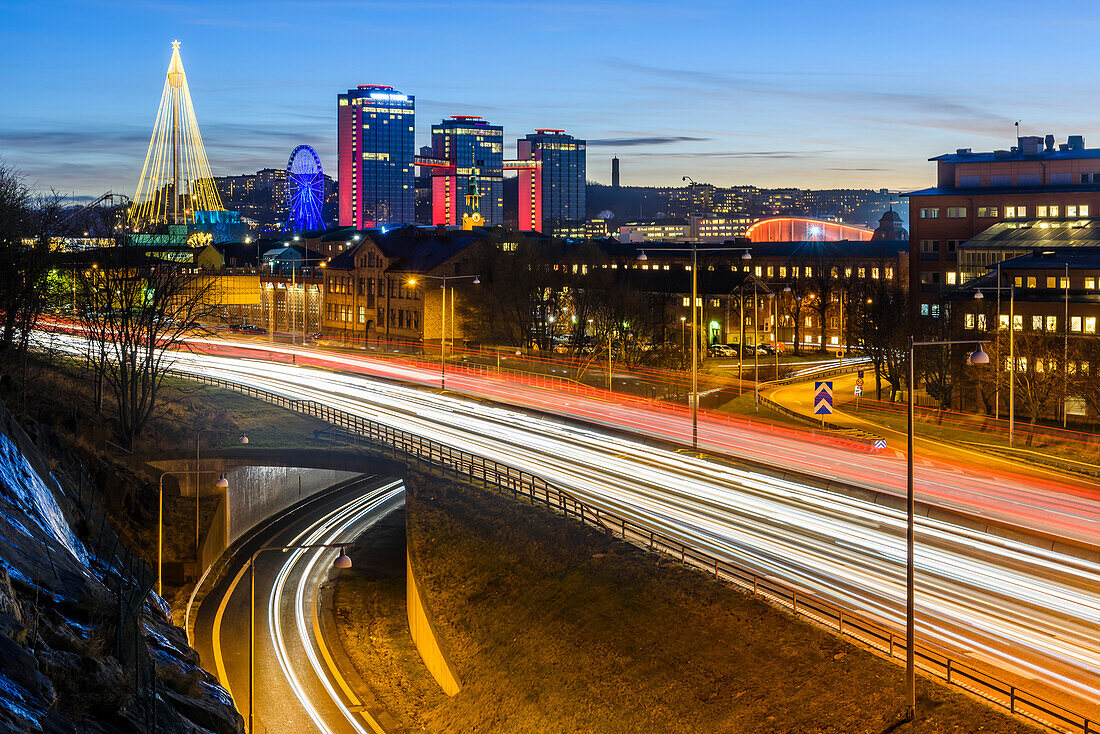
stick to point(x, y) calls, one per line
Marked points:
point(375, 144)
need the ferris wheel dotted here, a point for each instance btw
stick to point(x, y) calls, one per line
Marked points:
point(305, 190)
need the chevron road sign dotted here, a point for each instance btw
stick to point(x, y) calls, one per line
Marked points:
point(823, 398)
point(880, 443)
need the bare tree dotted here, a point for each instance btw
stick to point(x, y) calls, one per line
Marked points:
point(794, 306)
point(136, 311)
point(27, 224)
point(881, 330)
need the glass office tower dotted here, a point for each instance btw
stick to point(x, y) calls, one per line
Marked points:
point(469, 144)
point(375, 141)
point(554, 192)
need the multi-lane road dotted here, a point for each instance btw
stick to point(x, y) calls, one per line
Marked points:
point(1027, 611)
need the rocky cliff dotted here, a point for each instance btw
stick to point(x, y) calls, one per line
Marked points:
point(86, 645)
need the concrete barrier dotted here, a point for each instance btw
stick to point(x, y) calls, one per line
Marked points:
point(424, 634)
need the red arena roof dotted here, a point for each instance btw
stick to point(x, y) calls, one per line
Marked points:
point(805, 229)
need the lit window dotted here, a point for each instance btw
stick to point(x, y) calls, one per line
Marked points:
point(759, 271)
point(1031, 281)
point(809, 321)
point(1051, 281)
point(952, 278)
point(1010, 212)
point(1063, 283)
point(985, 212)
point(931, 213)
point(1054, 210)
point(782, 271)
point(771, 271)
point(956, 212)
point(935, 310)
point(1040, 211)
point(1002, 321)
point(1017, 322)
point(1037, 323)
point(889, 273)
point(1052, 323)
point(1075, 324)
point(1083, 210)
point(1071, 210)
point(981, 321)
point(969, 319)
point(874, 273)
point(1090, 324)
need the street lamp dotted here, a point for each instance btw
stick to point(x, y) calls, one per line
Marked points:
point(1011, 288)
point(978, 356)
point(222, 483)
point(695, 323)
point(343, 561)
point(476, 280)
point(160, 517)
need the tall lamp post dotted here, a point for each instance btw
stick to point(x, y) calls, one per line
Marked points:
point(695, 322)
point(242, 440)
point(443, 322)
point(978, 356)
point(1011, 288)
point(160, 517)
point(342, 561)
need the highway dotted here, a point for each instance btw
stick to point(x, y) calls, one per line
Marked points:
point(1029, 612)
point(1034, 499)
point(298, 686)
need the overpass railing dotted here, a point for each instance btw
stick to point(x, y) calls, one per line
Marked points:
point(883, 638)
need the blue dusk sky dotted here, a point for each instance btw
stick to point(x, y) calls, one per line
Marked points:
point(804, 93)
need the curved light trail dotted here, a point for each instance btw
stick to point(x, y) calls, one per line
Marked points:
point(1030, 611)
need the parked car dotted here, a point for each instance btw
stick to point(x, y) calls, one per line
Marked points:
point(765, 348)
point(250, 329)
point(722, 350)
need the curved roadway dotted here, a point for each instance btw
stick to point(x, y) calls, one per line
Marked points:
point(298, 687)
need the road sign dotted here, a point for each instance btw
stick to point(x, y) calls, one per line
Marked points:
point(880, 443)
point(859, 390)
point(859, 381)
point(859, 374)
point(823, 398)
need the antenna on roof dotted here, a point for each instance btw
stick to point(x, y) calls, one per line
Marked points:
point(1018, 129)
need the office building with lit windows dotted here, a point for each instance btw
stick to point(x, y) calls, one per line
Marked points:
point(465, 146)
point(551, 167)
point(1035, 184)
point(375, 142)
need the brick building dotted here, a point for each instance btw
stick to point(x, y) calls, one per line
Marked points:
point(1036, 179)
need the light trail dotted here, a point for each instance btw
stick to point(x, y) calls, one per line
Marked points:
point(1028, 608)
point(345, 523)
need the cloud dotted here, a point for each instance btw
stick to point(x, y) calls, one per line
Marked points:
point(658, 140)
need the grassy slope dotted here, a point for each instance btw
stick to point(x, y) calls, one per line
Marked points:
point(557, 628)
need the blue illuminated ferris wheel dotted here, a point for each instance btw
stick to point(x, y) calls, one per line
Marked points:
point(305, 190)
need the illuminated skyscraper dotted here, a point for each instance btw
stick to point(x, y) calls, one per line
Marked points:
point(465, 145)
point(375, 141)
point(552, 190)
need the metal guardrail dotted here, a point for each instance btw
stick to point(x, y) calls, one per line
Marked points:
point(855, 366)
point(431, 455)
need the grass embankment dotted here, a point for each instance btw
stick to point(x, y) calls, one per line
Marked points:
point(554, 627)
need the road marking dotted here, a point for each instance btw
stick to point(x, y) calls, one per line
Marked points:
point(356, 705)
point(216, 633)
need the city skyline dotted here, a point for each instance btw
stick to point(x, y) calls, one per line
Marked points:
point(774, 106)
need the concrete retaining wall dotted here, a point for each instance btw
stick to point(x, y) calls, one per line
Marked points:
point(424, 634)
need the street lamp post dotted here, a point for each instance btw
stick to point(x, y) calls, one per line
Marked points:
point(160, 521)
point(443, 319)
point(695, 323)
point(242, 440)
point(1011, 288)
point(978, 356)
point(342, 561)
